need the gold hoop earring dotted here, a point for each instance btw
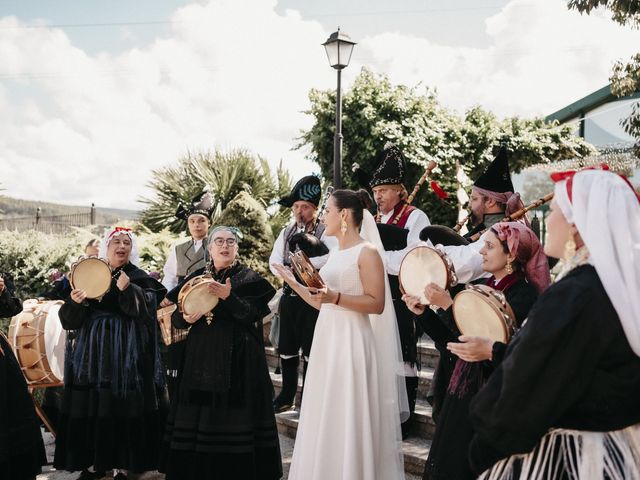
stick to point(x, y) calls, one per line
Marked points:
point(343, 226)
point(570, 248)
point(508, 268)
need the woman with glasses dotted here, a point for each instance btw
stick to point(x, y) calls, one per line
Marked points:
point(221, 423)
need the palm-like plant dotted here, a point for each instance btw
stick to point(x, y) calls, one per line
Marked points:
point(224, 174)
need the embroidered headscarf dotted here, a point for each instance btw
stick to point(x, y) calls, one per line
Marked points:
point(524, 245)
point(605, 209)
point(110, 234)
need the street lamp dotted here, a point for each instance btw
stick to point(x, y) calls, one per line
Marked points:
point(339, 48)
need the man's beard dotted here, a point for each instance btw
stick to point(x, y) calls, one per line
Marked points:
point(475, 219)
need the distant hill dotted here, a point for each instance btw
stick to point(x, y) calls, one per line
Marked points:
point(14, 207)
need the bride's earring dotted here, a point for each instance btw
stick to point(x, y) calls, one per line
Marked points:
point(343, 226)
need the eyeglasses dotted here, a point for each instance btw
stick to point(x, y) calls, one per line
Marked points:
point(221, 241)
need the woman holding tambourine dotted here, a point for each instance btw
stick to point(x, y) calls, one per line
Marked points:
point(115, 399)
point(221, 422)
point(513, 256)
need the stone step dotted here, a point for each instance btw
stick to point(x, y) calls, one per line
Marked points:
point(427, 353)
point(415, 449)
point(425, 377)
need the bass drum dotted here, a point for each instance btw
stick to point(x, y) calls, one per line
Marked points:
point(482, 311)
point(38, 341)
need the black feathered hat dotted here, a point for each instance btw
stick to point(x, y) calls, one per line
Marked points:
point(202, 204)
point(391, 167)
point(496, 178)
point(307, 189)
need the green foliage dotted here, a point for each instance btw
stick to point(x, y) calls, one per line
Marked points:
point(154, 247)
point(30, 257)
point(376, 112)
point(625, 77)
point(247, 214)
point(225, 175)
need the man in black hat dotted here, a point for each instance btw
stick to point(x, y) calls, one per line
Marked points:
point(297, 317)
point(184, 259)
point(401, 221)
point(492, 199)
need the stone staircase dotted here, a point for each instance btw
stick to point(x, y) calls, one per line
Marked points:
point(416, 447)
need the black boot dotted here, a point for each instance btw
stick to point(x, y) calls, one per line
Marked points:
point(412, 393)
point(285, 400)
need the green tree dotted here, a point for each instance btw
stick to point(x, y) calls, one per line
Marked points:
point(376, 112)
point(625, 77)
point(248, 215)
point(223, 174)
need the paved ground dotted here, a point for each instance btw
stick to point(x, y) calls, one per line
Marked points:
point(286, 445)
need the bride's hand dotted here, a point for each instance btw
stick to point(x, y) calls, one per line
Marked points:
point(286, 274)
point(323, 295)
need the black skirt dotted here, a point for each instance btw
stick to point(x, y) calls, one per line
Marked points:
point(236, 438)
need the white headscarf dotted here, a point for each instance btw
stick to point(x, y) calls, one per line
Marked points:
point(606, 212)
point(110, 233)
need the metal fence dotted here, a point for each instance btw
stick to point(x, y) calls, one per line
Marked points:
point(50, 223)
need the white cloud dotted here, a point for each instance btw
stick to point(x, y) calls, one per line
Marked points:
point(79, 128)
point(541, 57)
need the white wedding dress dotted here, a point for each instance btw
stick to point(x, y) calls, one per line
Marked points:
point(347, 429)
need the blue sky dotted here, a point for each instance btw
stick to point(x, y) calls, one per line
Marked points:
point(96, 94)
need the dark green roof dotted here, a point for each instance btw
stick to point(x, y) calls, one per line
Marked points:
point(586, 104)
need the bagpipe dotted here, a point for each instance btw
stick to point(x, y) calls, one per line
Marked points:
point(440, 234)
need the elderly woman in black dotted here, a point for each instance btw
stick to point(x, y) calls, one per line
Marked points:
point(221, 423)
point(564, 402)
point(115, 399)
point(21, 448)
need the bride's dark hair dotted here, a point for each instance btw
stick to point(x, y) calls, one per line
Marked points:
point(357, 202)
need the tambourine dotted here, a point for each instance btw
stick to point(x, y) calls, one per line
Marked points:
point(305, 270)
point(195, 297)
point(482, 311)
point(424, 265)
point(91, 274)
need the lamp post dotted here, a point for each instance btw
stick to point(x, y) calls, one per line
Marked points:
point(339, 48)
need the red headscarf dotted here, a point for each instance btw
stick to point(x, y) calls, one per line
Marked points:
point(524, 245)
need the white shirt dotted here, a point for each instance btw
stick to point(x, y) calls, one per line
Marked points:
point(277, 254)
point(466, 259)
point(415, 223)
point(170, 270)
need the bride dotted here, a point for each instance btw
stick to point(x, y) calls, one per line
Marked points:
point(353, 401)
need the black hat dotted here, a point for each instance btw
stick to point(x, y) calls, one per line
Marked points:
point(496, 178)
point(391, 167)
point(202, 204)
point(307, 189)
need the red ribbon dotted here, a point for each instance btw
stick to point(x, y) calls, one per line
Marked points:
point(120, 229)
point(569, 174)
point(442, 195)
